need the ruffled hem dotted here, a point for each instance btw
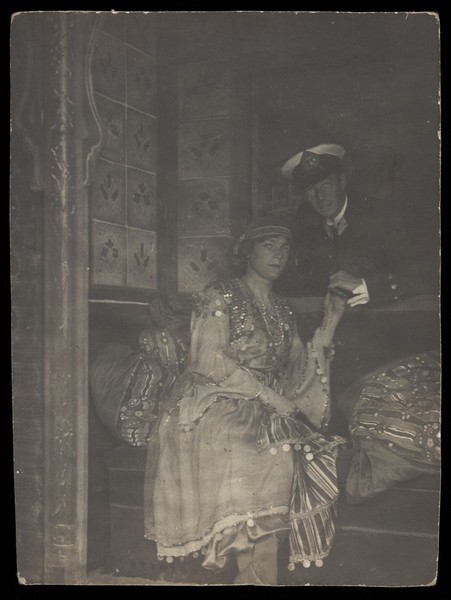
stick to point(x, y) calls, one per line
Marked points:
point(216, 545)
point(201, 544)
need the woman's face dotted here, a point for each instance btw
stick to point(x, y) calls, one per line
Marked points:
point(269, 257)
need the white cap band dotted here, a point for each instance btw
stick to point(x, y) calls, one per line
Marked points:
point(294, 161)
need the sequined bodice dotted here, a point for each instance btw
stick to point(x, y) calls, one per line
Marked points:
point(260, 338)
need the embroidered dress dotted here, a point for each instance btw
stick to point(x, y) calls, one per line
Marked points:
point(224, 469)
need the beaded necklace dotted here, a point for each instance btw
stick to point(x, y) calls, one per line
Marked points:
point(273, 319)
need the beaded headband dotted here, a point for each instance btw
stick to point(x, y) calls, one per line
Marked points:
point(257, 231)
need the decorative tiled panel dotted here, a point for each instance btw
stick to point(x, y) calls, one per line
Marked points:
point(141, 259)
point(108, 251)
point(204, 149)
point(203, 207)
point(108, 67)
point(141, 141)
point(141, 199)
point(204, 36)
point(107, 194)
point(141, 32)
point(114, 24)
point(112, 117)
point(141, 84)
point(204, 90)
point(201, 261)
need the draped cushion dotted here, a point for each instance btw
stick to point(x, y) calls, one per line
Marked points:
point(127, 386)
point(394, 422)
point(109, 379)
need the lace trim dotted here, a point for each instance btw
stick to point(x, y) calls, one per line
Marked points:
point(229, 521)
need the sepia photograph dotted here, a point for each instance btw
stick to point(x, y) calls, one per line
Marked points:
point(225, 298)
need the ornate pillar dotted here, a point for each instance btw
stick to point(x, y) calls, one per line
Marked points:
point(71, 134)
point(27, 242)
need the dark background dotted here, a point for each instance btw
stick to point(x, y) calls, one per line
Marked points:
point(369, 82)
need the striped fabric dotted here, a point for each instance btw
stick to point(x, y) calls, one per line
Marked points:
point(315, 490)
point(399, 406)
point(160, 362)
point(313, 506)
point(276, 431)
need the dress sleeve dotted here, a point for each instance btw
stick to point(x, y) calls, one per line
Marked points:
point(210, 352)
point(307, 379)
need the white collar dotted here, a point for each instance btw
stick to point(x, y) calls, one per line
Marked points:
point(340, 215)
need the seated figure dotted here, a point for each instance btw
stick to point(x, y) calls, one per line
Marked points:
point(239, 456)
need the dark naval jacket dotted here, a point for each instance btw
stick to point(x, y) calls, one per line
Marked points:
point(373, 245)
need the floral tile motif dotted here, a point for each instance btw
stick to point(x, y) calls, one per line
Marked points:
point(114, 24)
point(201, 261)
point(108, 67)
point(204, 149)
point(204, 36)
point(141, 32)
point(112, 118)
point(141, 259)
point(108, 248)
point(141, 199)
point(107, 193)
point(203, 207)
point(141, 83)
point(204, 90)
point(141, 141)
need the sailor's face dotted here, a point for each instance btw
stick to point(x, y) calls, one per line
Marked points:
point(327, 197)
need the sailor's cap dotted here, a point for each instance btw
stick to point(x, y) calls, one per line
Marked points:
point(313, 164)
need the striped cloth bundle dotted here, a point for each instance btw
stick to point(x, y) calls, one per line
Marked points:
point(315, 490)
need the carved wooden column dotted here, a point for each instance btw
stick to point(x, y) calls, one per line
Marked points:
point(27, 240)
point(70, 135)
